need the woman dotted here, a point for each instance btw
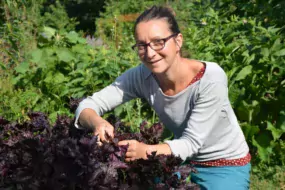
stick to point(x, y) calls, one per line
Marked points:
point(190, 98)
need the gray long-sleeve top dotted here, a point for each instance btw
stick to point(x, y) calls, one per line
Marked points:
point(201, 117)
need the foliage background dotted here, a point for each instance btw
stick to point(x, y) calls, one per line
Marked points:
point(53, 50)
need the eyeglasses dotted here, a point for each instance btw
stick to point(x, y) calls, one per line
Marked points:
point(156, 45)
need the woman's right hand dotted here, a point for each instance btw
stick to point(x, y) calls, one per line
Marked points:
point(103, 129)
point(90, 119)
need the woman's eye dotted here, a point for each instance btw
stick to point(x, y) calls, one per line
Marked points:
point(157, 42)
point(141, 47)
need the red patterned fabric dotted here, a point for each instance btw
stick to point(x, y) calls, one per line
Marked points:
point(199, 75)
point(223, 162)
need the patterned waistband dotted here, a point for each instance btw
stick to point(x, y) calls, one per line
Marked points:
point(223, 162)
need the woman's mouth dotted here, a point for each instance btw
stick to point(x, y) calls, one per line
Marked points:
point(153, 62)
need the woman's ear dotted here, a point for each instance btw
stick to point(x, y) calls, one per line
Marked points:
point(179, 41)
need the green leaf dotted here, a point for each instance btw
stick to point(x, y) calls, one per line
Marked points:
point(49, 77)
point(77, 89)
point(276, 133)
point(65, 55)
point(249, 59)
point(81, 40)
point(15, 80)
point(234, 94)
point(282, 83)
point(36, 55)
point(232, 72)
point(244, 72)
point(79, 94)
point(249, 131)
point(77, 80)
point(273, 30)
point(265, 52)
point(58, 78)
point(79, 48)
point(280, 53)
point(65, 90)
point(276, 45)
point(48, 32)
point(111, 72)
point(262, 142)
point(2, 65)
point(119, 110)
point(72, 37)
point(54, 78)
point(22, 68)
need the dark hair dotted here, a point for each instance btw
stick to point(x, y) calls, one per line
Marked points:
point(159, 13)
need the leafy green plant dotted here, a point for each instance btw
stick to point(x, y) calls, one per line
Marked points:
point(64, 66)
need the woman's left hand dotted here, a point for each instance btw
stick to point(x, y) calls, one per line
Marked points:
point(136, 150)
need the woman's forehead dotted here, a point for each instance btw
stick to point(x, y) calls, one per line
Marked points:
point(152, 28)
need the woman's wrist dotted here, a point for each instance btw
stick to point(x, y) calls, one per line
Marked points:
point(159, 149)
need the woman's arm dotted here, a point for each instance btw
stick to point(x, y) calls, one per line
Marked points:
point(90, 110)
point(160, 149)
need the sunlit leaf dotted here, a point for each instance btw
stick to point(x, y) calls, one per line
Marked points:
point(72, 37)
point(65, 55)
point(22, 68)
point(276, 133)
point(48, 32)
point(36, 55)
point(280, 52)
point(79, 48)
point(58, 78)
point(265, 52)
point(244, 73)
point(276, 45)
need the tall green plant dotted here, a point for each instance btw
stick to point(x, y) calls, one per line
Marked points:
point(65, 66)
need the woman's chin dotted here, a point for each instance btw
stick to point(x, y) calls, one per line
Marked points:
point(156, 67)
point(157, 70)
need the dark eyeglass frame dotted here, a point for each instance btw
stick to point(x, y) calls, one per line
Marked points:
point(149, 44)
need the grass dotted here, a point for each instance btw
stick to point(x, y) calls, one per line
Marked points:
point(268, 178)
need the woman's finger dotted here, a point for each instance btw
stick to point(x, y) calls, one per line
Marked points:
point(129, 159)
point(124, 142)
point(130, 154)
point(102, 132)
point(102, 137)
point(110, 131)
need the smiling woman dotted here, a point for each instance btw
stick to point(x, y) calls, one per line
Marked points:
point(190, 98)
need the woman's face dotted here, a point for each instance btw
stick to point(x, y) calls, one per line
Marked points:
point(157, 61)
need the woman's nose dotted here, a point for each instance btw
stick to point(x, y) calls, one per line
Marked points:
point(150, 53)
